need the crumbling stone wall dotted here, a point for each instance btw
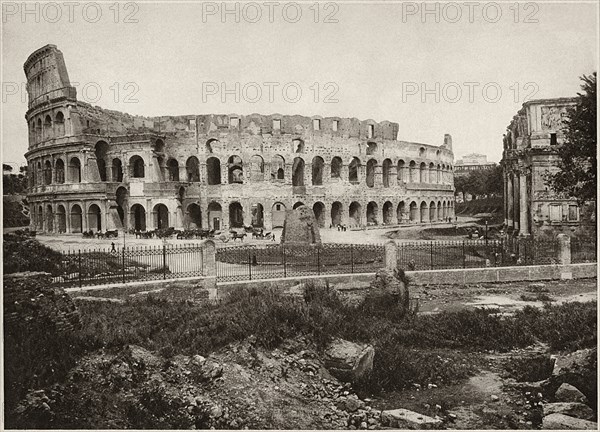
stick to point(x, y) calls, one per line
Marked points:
point(96, 169)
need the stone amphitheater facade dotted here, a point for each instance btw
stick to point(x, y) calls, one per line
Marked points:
point(95, 169)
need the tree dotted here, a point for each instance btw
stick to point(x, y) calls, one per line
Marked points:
point(6, 167)
point(576, 176)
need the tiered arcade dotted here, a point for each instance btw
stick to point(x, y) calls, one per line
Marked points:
point(94, 169)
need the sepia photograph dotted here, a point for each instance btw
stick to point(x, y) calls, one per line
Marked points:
point(299, 215)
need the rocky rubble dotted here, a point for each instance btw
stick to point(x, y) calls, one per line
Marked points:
point(238, 387)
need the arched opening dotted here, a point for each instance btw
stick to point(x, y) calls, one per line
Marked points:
point(400, 212)
point(278, 215)
point(432, 212)
point(138, 214)
point(388, 213)
point(336, 213)
point(386, 171)
point(121, 198)
point(173, 170)
point(61, 219)
point(192, 167)
point(214, 215)
point(319, 211)
point(59, 124)
point(354, 211)
point(423, 173)
point(353, 169)
point(75, 170)
point(401, 174)
point(76, 219)
point(437, 174)
point(161, 216)
point(136, 167)
point(235, 170)
point(277, 168)
point(414, 212)
point(117, 170)
point(298, 172)
point(336, 167)
point(94, 218)
point(412, 167)
point(48, 127)
point(317, 170)
point(40, 173)
point(101, 149)
point(194, 216)
point(39, 129)
point(257, 168)
point(439, 210)
point(431, 176)
point(236, 215)
point(258, 216)
point(49, 219)
point(371, 164)
point(424, 212)
point(47, 172)
point(298, 146)
point(159, 147)
point(371, 148)
point(213, 171)
point(297, 204)
point(212, 145)
point(372, 216)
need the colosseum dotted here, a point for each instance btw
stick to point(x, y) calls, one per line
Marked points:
point(96, 169)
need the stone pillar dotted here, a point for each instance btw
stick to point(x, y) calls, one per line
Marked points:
point(564, 249)
point(505, 193)
point(247, 212)
point(287, 174)
point(209, 252)
point(516, 201)
point(390, 255)
point(344, 173)
point(326, 173)
point(523, 217)
point(393, 176)
point(308, 174)
point(224, 216)
point(378, 176)
point(509, 201)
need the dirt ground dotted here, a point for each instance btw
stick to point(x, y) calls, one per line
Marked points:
point(73, 242)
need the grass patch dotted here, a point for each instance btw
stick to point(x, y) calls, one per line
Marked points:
point(543, 297)
point(413, 349)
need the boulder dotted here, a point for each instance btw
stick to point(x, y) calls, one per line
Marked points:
point(568, 393)
point(572, 409)
point(565, 422)
point(574, 360)
point(349, 361)
point(404, 419)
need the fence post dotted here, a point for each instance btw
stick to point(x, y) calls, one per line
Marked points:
point(351, 258)
point(318, 261)
point(79, 273)
point(464, 256)
point(283, 256)
point(249, 265)
point(431, 255)
point(564, 249)
point(123, 264)
point(164, 262)
point(390, 258)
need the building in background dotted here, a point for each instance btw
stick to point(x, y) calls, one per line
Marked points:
point(472, 162)
point(95, 169)
point(530, 206)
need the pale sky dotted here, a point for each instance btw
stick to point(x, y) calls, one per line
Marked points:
point(378, 55)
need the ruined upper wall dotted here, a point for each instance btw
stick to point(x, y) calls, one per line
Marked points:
point(47, 77)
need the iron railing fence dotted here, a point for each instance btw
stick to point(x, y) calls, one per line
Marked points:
point(583, 251)
point(434, 255)
point(279, 261)
point(120, 265)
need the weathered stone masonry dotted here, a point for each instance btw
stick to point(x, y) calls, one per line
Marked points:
point(95, 169)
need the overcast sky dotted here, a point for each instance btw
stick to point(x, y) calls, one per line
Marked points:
point(377, 59)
